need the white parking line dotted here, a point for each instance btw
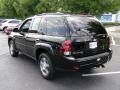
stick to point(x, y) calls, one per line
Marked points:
point(113, 41)
point(117, 45)
point(98, 74)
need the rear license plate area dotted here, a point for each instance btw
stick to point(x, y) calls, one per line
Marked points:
point(92, 45)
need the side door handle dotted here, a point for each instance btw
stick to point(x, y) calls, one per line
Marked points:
point(31, 39)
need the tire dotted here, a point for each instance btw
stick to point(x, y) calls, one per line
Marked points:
point(45, 65)
point(4, 29)
point(12, 50)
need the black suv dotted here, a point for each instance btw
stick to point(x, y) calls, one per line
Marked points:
point(61, 41)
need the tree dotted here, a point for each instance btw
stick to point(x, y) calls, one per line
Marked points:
point(94, 7)
point(7, 9)
point(25, 8)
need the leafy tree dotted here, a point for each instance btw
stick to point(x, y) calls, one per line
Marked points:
point(25, 8)
point(7, 9)
point(94, 7)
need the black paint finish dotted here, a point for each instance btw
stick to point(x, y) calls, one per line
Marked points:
point(32, 40)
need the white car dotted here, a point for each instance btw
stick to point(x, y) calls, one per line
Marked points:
point(9, 23)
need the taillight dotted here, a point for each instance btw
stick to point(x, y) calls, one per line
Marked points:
point(66, 47)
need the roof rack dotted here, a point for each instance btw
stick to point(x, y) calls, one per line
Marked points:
point(57, 13)
point(86, 15)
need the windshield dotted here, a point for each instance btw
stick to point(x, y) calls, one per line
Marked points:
point(14, 21)
point(85, 26)
point(3, 21)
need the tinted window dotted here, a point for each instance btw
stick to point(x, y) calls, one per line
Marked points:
point(35, 24)
point(56, 26)
point(85, 26)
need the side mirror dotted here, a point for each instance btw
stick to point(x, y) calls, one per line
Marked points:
point(15, 30)
point(78, 29)
point(25, 30)
point(22, 33)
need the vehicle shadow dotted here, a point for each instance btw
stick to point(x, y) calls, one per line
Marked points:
point(67, 79)
point(75, 80)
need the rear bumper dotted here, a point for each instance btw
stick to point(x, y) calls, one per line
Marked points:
point(71, 63)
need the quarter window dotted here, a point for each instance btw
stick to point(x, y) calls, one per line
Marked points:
point(56, 26)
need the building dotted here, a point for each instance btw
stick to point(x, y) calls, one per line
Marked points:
point(110, 18)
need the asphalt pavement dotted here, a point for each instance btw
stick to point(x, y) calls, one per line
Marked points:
point(21, 73)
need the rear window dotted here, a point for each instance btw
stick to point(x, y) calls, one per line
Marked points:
point(56, 26)
point(85, 26)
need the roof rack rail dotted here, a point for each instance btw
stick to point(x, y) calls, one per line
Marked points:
point(86, 15)
point(56, 13)
point(59, 13)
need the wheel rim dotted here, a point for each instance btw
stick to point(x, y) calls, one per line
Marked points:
point(44, 66)
point(11, 48)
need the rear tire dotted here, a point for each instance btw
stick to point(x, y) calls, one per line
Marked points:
point(12, 50)
point(46, 67)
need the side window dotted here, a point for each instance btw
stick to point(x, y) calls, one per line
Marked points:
point(36, 24)
point(25, 26)
point(14, 21)
point(56, 26)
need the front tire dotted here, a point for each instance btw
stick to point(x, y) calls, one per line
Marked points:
point(4, 29)
point(12, 50)
point(45, 66)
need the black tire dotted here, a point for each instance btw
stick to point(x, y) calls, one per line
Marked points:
point(12, 50)
point(45, 57)
point(4, 29)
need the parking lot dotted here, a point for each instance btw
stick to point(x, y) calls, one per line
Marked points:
point(21, 73)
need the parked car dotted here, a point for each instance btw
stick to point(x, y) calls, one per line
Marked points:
point(9, 23)
point(61, 41)
point(2, 21)
point(9, 29)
